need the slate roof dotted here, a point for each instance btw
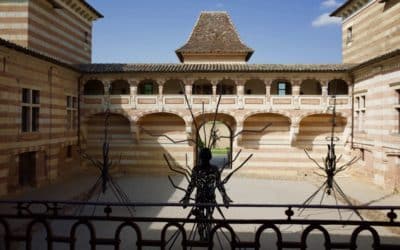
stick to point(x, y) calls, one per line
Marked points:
point(214, 32)
point(196, 68)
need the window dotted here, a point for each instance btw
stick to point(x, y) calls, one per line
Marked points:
point(349, 37)
point(281, 88)
point(72, 110)
point(359, 109)
point(30, 110)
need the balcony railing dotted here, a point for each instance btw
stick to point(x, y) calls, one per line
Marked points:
point(48, 224)
point(227, 101)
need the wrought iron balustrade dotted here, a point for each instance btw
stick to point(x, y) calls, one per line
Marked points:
point(19, 218)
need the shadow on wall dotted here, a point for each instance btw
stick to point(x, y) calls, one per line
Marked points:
point(276, 134)
point(314, 130)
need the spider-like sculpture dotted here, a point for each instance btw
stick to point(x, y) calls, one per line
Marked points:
point(330, 169)
point(105, 180)
point(204, 177)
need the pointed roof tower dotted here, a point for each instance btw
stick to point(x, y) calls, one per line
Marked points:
point(214, 39)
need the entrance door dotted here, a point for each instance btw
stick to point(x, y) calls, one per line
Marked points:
point(27, 169)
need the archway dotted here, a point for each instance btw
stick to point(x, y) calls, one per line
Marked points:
point(120, 137)
point(338, 87)
point(173, 87)
point(120, 87)
point(202, 87)
point(147, 87)
point(93, 87)
point(216, 133)
point(310, 87)
point(254, 87)
point(314, 130)
point(157, 131)
point(226, 87)
point(281, 88)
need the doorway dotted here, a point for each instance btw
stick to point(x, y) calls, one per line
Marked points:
point(27, 169)
point(219, 140)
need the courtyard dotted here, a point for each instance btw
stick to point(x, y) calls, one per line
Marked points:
point(247, 192)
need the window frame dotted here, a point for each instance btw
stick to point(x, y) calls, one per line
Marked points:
point(30, 101)
point(72, 112)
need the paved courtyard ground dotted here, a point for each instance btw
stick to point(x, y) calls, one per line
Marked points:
point(240, 188)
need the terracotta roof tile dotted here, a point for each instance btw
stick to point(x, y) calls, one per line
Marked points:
point(214, 32)
point(183, 68)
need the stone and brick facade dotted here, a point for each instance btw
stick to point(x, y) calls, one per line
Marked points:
point(50, 106)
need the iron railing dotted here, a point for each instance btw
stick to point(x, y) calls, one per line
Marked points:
point(19, 221)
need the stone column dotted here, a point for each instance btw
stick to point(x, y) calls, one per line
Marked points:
point(294, 131)
point(160, 89)
point(268, 84)
point(133, 90)
point(214, 87)
point(107, 85)
point(106, 97)
point(296, 93)
point(324, 92)
point(189, 87)
point(240, 93)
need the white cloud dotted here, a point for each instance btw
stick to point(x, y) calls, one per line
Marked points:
point(325, 20)
point(330, 4)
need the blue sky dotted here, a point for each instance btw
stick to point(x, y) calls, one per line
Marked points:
point(280, 31)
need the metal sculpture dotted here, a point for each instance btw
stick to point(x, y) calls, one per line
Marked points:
point(330, 169)
point(105, 180)
point(204, 177)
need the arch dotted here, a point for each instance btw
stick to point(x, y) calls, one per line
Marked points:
point(278, 132)
point(120, 87)
point(308, 230)
point(221, 226)
point(265, 227)
point(254, 87)
point(173, 87)
point(202, 87)
point(179, 228)
point(89, 115)
point(227, 118)
point(48, 230)
point(162, 123)
point(91, 229)
point(226, 87)
point(93, 87)
point(135, 227)
point(281, 87)
point(338, 87)
point(165, 112)
point(358, 230)
point(148, 87)
point(276, 112)
point(121, 138)
point(314, 128)
point(310, 87)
